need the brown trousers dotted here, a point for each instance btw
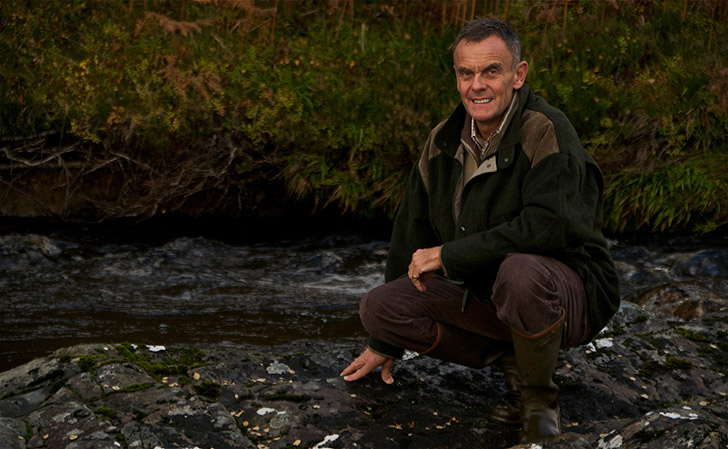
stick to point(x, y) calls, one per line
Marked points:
point(528, 296)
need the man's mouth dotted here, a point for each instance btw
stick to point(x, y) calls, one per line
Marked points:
point(488, 100)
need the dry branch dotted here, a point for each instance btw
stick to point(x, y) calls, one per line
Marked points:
point(33, 147)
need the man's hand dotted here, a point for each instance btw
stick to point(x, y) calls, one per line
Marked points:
point(424, 262)
point(366, 363)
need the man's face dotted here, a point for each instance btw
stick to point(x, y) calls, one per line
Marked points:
point(486, 80)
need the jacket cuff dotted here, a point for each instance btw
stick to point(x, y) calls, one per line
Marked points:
point(444, 269)
point(385, 349)
point(448, 252)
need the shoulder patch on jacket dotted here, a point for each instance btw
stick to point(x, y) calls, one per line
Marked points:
point(538, 137)
point(429, 152)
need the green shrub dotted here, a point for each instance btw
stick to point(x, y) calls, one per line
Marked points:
point(331, 102)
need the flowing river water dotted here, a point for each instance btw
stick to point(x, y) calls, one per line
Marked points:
point(166, 285)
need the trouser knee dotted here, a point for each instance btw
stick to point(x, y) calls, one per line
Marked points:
point(525, 295)
point(370, 309)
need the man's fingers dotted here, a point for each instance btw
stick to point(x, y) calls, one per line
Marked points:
point(351, 368)
point(387, 372)
point(357, 369)
point(358, 374)
point(367, 362)
point(419, 281)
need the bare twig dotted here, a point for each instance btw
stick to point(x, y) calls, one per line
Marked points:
point(10, 154)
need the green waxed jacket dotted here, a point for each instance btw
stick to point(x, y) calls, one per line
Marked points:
point(541, 194)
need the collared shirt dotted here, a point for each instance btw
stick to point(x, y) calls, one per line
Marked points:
point(489, 146)
point(476, 153)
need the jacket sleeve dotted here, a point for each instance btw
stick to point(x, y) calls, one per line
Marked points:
point(561, 198)
point(385, 349)
point(412, 228)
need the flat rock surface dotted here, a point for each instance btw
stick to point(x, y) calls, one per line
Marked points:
point(647, 381)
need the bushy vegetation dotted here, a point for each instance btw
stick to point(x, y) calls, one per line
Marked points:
point(330, 101)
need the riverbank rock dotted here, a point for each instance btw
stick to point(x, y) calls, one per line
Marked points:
point(647, 381)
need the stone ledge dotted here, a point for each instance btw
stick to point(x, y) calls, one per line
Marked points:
point(649, 385)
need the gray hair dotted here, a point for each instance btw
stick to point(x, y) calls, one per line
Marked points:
point(481, 28)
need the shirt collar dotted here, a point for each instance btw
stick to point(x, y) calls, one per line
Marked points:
point(493, 141)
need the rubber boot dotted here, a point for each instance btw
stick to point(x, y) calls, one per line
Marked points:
point(465, 348)
point(508, 410)
point(536, 357)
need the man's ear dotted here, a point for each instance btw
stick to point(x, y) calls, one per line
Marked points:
point(521, 72)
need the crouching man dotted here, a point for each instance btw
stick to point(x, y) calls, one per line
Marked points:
point(497, 252)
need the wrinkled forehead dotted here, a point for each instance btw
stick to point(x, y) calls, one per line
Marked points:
point(482, 53)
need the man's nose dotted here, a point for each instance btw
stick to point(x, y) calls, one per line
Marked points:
point(479, 82)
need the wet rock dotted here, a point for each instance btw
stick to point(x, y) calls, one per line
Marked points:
point(684, 301)
point(12, 433)
point(325, 261)
point(643, 382)
point(710, 262)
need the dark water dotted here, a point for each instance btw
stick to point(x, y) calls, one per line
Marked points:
point(168, 285)
point(64, 288)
